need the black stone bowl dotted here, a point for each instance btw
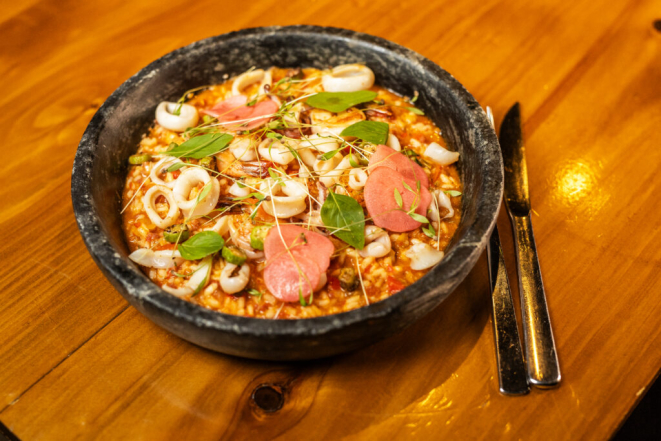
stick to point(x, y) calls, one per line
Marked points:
point(100, 168)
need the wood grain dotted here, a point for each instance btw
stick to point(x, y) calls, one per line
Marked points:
point(78, 362)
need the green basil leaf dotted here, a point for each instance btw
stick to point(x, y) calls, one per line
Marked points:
point(346, 215)
point(200, 146)
point(453, 193)
point(398, 198)
point(340, 101)
point(201, 245)
point(419, 218)
point(415, 110)
point(371, 131)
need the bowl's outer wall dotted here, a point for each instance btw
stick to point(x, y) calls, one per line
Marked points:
point(115, 131)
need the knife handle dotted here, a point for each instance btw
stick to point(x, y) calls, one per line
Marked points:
point(511, 366)
point(541, 355)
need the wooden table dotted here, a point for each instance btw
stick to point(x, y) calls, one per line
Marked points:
point(77, 361)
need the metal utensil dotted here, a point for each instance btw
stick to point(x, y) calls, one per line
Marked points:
point(541, 356)
point(511, 366)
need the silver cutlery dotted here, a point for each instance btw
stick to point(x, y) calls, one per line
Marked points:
point(512, 377)
point(541, 355)
point(511, 366)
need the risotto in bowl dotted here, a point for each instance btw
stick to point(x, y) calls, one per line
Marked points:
point(287, 193)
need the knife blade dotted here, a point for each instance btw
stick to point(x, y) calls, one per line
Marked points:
point(541, 354)
point(512, 377)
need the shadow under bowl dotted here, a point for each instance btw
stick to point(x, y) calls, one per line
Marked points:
point(100, 168)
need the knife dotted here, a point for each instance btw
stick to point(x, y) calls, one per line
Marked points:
point(541, 355)
point(511, 367)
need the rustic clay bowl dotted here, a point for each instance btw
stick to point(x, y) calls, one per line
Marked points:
point(113, 134)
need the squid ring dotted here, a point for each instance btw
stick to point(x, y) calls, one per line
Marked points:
point(156, 259)
point(357, 178)
point(246, 79)
point(291, 204)
point(149, 201)
point(440, 155)
point(185, 183)
point(275, 151)
point(348, 78)
point(187, 117)
point(157, 169)
point(378, 242)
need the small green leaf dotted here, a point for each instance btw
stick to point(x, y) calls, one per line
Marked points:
point(200, 146)
point(274, 174)
point(292, 151)
point(328, 155)
point(254, 212)
point(205, 266)
point(419, 218)
point(346, 219)
point(258, 196)
point(410, 153)
point(453, 193)
point(371, 131)
point(352, 161)
point(300, 297)
point(203, 194)
point(274, 135)
point(415, 110)
point(429, 231)
point(253, 292)
point(176, 166)
point(251, 103)
point(398, 198)
point(201, 245)
point(407, 186)
point(340, 101)
point(240, 184)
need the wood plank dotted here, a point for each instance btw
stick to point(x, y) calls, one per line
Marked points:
point(587, 76)
point(145, 375)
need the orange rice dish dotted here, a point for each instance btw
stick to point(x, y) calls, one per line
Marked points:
point(290, 193)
